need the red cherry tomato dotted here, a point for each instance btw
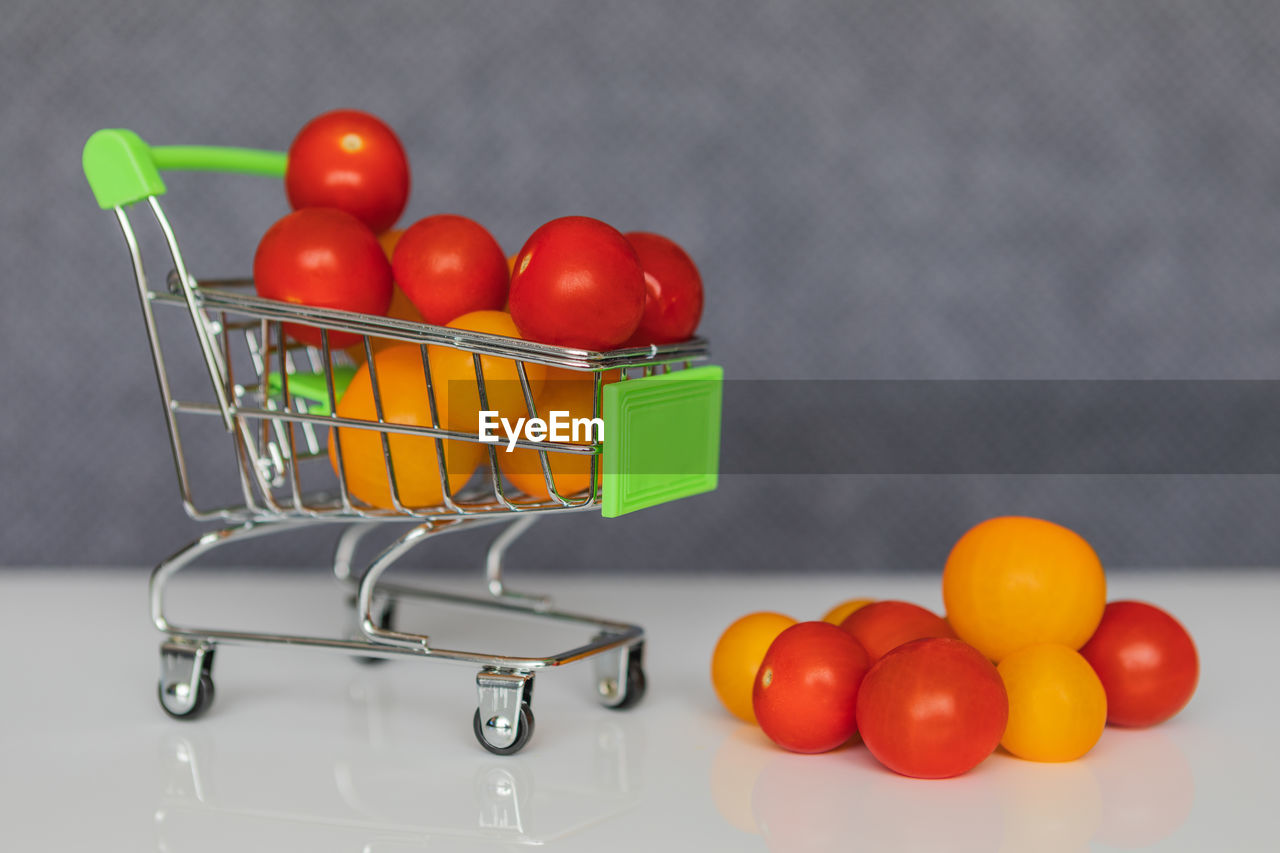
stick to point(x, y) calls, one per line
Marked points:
point(673, 291)
point(352, 161)
point(1146, 661)
point(327, 259)
point(577, 283)
point(932, 708)
point(882, 626)
point(449, 266)
point(806, 688)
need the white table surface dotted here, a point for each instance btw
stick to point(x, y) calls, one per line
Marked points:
point(305, 750)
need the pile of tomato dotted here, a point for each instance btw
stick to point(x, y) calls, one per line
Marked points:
point(1030, 657)
point(576, 282)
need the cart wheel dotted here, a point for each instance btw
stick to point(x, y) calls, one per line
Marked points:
point(185, 688)
point(203, 699)
point(637, 684)
point(523, 733)
point(620, 679)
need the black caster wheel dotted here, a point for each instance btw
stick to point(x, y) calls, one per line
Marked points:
point(523, 733)
point(637, 684)
point(620, 679)
point(204, 698)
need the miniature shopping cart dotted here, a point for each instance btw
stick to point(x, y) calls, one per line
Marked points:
point(274, 402)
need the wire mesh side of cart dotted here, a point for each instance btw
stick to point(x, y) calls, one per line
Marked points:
point(281, 434)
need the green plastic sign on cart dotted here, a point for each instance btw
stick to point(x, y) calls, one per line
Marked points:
point(663, 439)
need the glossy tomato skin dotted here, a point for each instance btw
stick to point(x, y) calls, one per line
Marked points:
point(1147, 663)
point(1057, 705)
point(449, 266)
point(673, 291)
point(932, 708)
point(806, 690)
point(352, 161)
point(1012, 582)
point(577, 282)
point(327, 259)
point(882, 626)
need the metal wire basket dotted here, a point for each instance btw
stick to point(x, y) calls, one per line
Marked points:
point(278, 403)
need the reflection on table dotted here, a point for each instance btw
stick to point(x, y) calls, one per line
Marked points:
point(373, 792)
point(1133, 790)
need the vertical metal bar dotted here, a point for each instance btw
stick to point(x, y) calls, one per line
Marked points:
point(267, 448)
point(157, 358)
point(382, 434)
point(493, 562)
point(295, 487)
point(250, 442)
point(335, 432)
point(442, 468)
point(597, 391)
point(242, 458)
point(308, 429)
point(495, 479)
point(547, 479)
point(217, 370)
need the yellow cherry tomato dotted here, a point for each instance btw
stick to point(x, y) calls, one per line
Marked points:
point(1014, 582)
point(1057, 707)
point(737, 658)
point(837, 614)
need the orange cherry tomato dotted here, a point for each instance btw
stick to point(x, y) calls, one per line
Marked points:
point(736, 659)
point(453, 376)
point(1057, 707)
point(566, 391)
point(402, 390)
point(837, 614)
point(1013, 582)
point(388, 240)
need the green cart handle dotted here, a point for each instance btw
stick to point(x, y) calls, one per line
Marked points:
point(123, 169)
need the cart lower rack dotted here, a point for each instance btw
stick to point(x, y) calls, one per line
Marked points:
point(278, 405)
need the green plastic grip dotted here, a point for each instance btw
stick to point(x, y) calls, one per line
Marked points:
point(123, 169)
point(314, 387)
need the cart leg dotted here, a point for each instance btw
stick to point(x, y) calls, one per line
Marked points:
point(504, 721)
point(186, 678)
point(620, 678)
point(493, 565)
point(345, 550)
point(186, 659)
point(209, 541)
point(343, 554)
point(386, 621)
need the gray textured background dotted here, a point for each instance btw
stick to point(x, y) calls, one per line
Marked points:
point(915, 190)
